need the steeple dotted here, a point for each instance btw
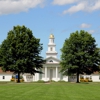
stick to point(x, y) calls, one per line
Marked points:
point(51, 47)
point(51, 36)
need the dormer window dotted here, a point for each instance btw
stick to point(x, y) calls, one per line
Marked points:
point(51, 61)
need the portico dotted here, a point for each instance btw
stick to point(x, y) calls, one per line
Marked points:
point(51, 73)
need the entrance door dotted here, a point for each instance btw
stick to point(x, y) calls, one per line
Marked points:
point(51, 74)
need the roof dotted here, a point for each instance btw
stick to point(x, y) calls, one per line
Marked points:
point(7, 72)
point(52, 58)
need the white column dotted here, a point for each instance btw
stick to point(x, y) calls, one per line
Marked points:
point(45, 73)
point(36, 78)
point(56, 73)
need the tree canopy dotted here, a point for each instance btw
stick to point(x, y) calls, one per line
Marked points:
point(20, 52)
point(80, 54)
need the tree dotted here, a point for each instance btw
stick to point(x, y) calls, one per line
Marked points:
point(80, 54)
point(20, 52)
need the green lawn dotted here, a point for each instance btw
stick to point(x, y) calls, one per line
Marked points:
point(52, 91)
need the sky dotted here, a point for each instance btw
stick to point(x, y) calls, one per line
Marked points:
point(43, 17)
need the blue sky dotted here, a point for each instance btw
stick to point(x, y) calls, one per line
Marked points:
point(43, 17)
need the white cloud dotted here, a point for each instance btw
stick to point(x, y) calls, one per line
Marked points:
point(84, 25)
point(76, 8)
point(63, 2)
point(79, 5)
point(16, 6)
point(91, 31)
point(96, 6)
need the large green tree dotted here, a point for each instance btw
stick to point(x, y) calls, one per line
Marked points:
point(20, 52)
point(80, 54)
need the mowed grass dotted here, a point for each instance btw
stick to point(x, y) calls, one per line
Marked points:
point(52, 91)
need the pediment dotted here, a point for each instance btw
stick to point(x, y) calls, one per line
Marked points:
point(52, 60)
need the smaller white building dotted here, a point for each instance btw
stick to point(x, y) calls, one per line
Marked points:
point(94, 77)
point(5, 76)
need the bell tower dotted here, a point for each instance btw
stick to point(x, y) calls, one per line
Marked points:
point(51, 47)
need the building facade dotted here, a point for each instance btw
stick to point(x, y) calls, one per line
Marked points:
point(51, 69)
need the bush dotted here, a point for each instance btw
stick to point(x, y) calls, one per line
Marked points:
point(61, 81)
point(40, 81)
point(21, 80)
point(90, 80)
point(16, 80)
point(12, 79)
point(81, 80)
point(85, 80)
point(81, 77)
point(52, 81)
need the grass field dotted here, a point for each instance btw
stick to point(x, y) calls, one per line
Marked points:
point(52, 91)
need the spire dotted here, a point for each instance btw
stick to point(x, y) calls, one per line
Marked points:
point(51, 39)
point(51, 36)
point(51, 47)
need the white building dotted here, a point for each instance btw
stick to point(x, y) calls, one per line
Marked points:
point(51, 69)
point(5, 76)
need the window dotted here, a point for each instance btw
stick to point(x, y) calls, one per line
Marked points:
point(51, 61)
point(51, 49)
point(3, 77)
point(53, 40)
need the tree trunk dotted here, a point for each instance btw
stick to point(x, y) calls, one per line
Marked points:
point(18, 77)
point(77, 76)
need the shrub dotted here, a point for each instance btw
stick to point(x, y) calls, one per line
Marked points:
point(81, 80)
point(21, 80)
point(52, 81)
point(90, 80)
point(61, 81)
point(81, 77)
point(85, 80)
point(40, 81)
point(12, 79)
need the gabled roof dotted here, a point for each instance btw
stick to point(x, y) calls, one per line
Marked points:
point(7, 72)
point(54, 59)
